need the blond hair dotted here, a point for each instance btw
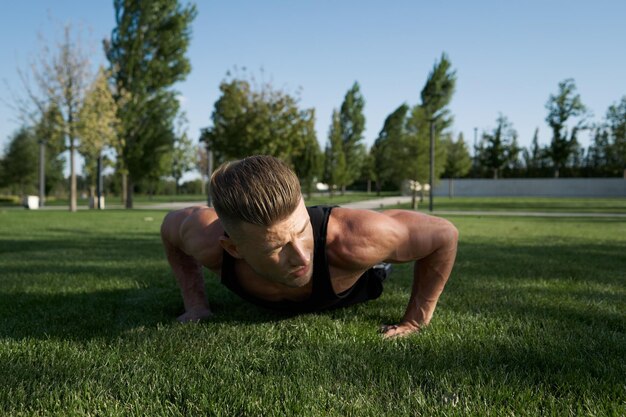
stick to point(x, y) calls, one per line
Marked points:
point(259, 189)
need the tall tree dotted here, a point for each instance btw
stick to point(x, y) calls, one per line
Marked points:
point(62, 76)
point(97, 125)
point(598, 160)
point(390, 138)
point(183, 157)
point(309, 163)
point(414, 157)
point(616, 126)
point(250, 119)
point(20, 162)
point(458, 160)
point(147, 57)
point(565, 105)
point(352, 126)
point(335, 168)
point(499, 148)
point(49, 130)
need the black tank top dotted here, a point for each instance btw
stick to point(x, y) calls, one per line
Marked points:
point(368, 287)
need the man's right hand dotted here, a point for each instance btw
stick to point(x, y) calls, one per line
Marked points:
point(195, 316)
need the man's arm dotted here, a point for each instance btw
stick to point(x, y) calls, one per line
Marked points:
point(187, 269)
point(432, 243)
point(400, 236)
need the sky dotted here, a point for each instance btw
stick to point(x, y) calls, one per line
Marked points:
point(508, 56)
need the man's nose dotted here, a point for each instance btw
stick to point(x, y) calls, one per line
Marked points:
point(299, 256)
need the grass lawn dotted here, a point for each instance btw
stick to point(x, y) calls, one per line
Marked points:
point(527, 204)
point(532, 322)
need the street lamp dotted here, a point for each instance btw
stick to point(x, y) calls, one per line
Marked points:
point(432, 163)
point(209, 169)
point(42, 172)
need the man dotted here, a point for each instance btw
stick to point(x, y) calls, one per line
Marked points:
point(271, 250)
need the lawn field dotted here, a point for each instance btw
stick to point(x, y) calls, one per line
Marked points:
point(527, 204)
point(532, 322)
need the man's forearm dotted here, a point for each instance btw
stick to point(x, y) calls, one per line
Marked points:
point(188, 274)
point(429, 279)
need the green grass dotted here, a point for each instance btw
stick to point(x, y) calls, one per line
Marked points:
point(531, 323)
point(528, 204)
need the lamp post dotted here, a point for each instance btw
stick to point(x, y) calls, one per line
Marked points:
point(432, 163)
point(209, 171)
point(99, 182)
point(42, 172)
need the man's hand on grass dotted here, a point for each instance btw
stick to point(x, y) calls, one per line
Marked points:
point(391, 331)
point(195, 316)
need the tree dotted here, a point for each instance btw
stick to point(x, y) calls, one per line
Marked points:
point(250, 119)
point(458, 160)
point(413, 157)
point(97, 125)
point(335, 168)
point(20, 162)
point(391, 137)
point(499, 148)
point(566, 104)
point(616, 126)
point(147, 57)
point(309, 163)
point(49, 130)
point(183, 157)
point(536, 157)
point(352, 126)
point(61, 78)
point(598, 160)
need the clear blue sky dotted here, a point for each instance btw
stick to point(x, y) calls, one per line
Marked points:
point(509, 56)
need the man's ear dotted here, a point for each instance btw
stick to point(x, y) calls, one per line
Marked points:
point(230, 247)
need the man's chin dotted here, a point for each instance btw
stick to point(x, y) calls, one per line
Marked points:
point(297, 282)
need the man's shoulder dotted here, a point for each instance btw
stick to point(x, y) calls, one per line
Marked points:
point(360, 237)
point(195, 230)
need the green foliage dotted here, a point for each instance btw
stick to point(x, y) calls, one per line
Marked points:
point(458, 160)
point(20, 162)
point(309, 164)
point(566, 104)
point(390, 138)
point(499, 149)
point(50, 129)
point(249, 120)
point(536, 158)
point(412, 156)
point(616, 126)
point(183, 156)
point(147, 57)
point(335, 168)
point(98, 124)
point(352, 126)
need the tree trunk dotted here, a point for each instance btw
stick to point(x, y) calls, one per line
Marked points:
point(129, 192)
point(343, 189)
point(369, 186)
point(73, 206)
point(414, 198)
point(124, 188)
point(495, 173)
point(556, 172)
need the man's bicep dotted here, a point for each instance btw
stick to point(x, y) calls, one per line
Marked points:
point(417, 234)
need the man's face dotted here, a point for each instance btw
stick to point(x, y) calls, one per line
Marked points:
point(282, 252)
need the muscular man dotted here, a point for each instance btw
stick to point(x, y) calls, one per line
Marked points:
point(273, 251)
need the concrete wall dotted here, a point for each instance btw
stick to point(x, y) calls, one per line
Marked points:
point(533, 187)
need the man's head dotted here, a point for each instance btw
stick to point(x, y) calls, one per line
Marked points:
point(259, 203)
